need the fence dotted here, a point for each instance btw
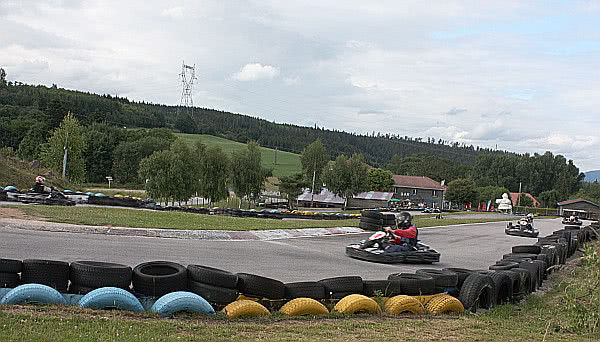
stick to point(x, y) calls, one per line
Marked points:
point(536, 211)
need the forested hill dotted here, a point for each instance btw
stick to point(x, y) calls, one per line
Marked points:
point(21, 105)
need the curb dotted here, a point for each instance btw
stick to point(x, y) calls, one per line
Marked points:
point(214, 235)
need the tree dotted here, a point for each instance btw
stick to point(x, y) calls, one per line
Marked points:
point(491, 193)
point(128, 155)
point(30, 146)
point(68, 136)
point(292, 186)
point(380, 180)
point(462, 191)
point(590, 192)
point(314, 158)
point(102, 141)
point(549, 199)
point(184, 171)
point(156, 170)
point(525, 201)
point(347, 176)
point(2, 77)
point(247, 174)
point(217, 166)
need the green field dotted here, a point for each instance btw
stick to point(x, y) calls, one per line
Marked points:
point(287, 163)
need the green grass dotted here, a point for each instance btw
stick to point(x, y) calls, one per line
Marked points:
point(119, 217)
point(287, 163)
point(538, 318)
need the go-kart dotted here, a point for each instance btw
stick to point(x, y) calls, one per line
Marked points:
point(522, 228)
point(52, 198)
point(373, 249)
point(572, 221)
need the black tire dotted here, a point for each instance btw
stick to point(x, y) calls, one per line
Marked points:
point(441, 278)
point(80, 289)
point(157, 278)
point(371, 214)
point(520, 255)
point(542, 266)
point(504, 265)
point(305, 289)
point(533, 270)
point(503, 287)
point(9, 280)
point(212, 276)
point(10, 266)
point(527, 249)
point(462, 273)
point(477, 292)
point(46, 272)
point(100, 274)
point(369, 226)
point(385, 288)
point(350, 284)
point(525, 281)
point(258, 286)
point(370, 220)
point(213, 294)
point(414, 284)
point(515, 280)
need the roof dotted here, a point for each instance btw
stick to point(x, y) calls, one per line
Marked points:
point(575, 201)
point(375, 195)
point(326, 196)
point(514, 197)
point(419, 182)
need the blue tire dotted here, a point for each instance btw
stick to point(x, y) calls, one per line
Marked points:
point(33, 294)
point(111, 298)
point(177, 301)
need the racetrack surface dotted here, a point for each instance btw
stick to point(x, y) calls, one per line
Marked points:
point(474, 246)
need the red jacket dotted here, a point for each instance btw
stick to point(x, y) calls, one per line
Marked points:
point(409, 233)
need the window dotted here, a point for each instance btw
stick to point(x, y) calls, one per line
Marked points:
point(414, 191)
point(434, 193)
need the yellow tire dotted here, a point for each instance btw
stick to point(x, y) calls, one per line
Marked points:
point(402, 303)
point(425, 299)
point(444, 304)
point(244, 308)
point(303, 306)
point(357, 303)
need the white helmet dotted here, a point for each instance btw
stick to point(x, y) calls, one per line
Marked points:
point(40, 179)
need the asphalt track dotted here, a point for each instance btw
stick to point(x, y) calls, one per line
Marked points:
point(474, 246)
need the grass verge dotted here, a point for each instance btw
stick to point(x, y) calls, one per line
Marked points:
point(123, 217)
point(538, 318)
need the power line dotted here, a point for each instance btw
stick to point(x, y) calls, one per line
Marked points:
point(188, 75)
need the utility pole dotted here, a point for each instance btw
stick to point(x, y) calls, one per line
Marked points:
point(188, 75)
point(312, 190)
point(519, 198)
point(65, 154)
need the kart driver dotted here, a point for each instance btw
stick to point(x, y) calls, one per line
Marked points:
point(40, 186)
point(405, 236)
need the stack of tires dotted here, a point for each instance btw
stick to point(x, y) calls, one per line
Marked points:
point(340, 287)
point(52, 273)
point(218, 287)
point(87, 276)
point(375, 221)
point(9, 273)
point(157, 278)
point(257, 286)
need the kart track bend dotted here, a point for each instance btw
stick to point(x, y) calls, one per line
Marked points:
point(473, 246)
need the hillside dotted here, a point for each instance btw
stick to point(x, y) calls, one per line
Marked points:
point(22, 105)
point(287, 163)
point(592, 176)
point(19, 173)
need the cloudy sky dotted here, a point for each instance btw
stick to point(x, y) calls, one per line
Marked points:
point(520, 75)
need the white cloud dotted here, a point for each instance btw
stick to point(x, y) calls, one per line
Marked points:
point(256, 71)
point(173, 12)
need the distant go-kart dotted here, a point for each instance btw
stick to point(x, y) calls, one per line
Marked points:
point(523, 227)
point(573, 220)
point(373, 249)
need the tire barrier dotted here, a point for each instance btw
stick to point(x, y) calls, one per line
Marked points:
point(375, 221)
point(426, 291)
point(33, 294)
point(179, 301)
point(110, 298)
point(86, 275)
point(305, 289)
point(245, 308)
point(258, 286)
point(157, 278)
point(403, 304)
point(477, 292)
point(303, 307)
point(46, 272)
point(444, 304)
point(355, 303)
